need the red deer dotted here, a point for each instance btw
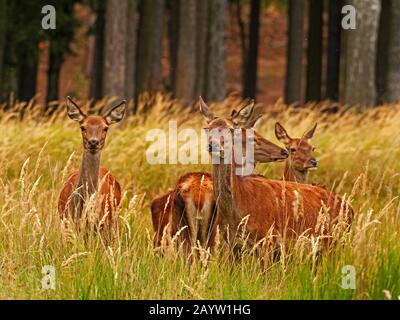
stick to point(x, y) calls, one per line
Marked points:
point(192, 197)
point(300, 159)
point(90, 177)
point(191, 204)
point(268, 204)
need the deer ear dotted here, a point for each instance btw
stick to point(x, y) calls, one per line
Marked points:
point(255, 121)
point(117, 113)
point(242, 117)
point(258, 113)
point(205, 110)
point(310, 133)
point(281, 134)
point(74, 112)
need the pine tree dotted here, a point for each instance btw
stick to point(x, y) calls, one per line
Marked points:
point(215, 73)
point(314, 51)
point(334, 48)
point(392, 74)
point(115, 61)
point(250, 71)
point(3, 26)
point(185, 72)
point(151, 30)
point(294, 51)
point(361, 49)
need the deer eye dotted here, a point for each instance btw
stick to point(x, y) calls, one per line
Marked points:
point(105, 129)
point(292, 150)
point(83, 129)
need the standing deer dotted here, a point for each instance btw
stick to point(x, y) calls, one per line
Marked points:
point(90, 177)
point(191, 204)
point(269, 205)
point(300, 159)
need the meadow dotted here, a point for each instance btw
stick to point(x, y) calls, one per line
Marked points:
point(358, 152)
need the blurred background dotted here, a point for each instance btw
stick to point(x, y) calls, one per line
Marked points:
point(296, 50)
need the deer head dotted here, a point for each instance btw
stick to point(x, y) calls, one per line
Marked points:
point(245, 118)
point(300, 150)
point(94, 128)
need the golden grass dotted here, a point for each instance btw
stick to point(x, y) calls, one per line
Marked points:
point(358, 152)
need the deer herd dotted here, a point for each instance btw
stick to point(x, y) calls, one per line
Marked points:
point(201, 204)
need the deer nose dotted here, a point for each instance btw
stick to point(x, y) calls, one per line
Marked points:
point(93, 143)
point(314, 162)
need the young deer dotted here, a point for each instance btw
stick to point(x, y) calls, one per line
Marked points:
point(191, 204)
point(300, 158)
point(90, 177)
point(269, 205)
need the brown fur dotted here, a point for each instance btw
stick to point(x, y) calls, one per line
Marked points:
point(194, 199)
point(191, 206)
point(194, 205)
point(274, 204)
point(160, 213)
point(301, 158)
point(298, 163)
point(91, 178)
point(269, 204)
point(110, 193)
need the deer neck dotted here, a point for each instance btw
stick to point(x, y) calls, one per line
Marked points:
point(291, 174)
point(226, 188)
point(87, 181)
point(89, 171)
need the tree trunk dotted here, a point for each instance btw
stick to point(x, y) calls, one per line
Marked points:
point(383, 47)
point(173, 32)
point(185, 71)
point(314, 51)
point(3, 26)
point(151, 29)
point(98, 59)
point(361, 52)
point(294, 51)
point(242, 36)
point(201, 46)
point(131, 41)
point(10, 70)
point(215, 73)
point(27, 78)
point(114, 74)
point(392, 87)
point(53, 74)
point(250, 77)
point(334, 46)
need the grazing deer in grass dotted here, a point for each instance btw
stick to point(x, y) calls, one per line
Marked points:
point(90, 177)
point(300, 159)
point(191, 204)
point(286, 208)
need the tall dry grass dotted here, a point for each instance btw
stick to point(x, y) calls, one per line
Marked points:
point(359, 157)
